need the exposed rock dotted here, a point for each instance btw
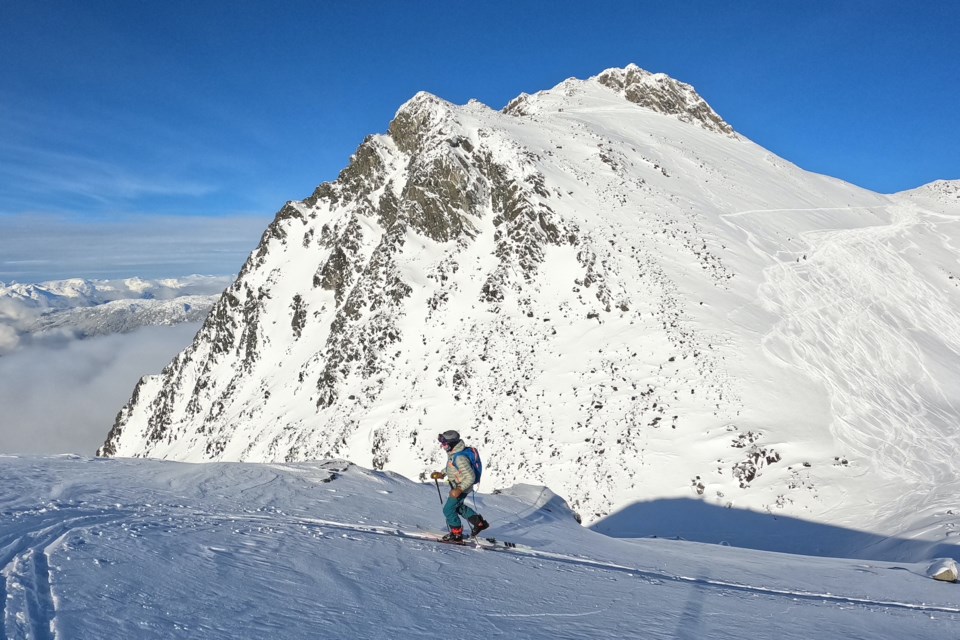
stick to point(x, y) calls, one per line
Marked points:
point(665, 95)
point(944, 569)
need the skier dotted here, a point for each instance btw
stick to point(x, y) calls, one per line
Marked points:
point(461, 477)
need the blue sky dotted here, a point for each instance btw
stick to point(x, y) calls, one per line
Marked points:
point(115, 114)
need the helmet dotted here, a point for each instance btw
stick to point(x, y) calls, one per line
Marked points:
point(449, 439)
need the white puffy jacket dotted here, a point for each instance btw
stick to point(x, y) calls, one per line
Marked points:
point(459, 470)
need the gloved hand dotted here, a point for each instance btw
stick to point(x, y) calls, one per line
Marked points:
point(437, 475)
point(456, 492)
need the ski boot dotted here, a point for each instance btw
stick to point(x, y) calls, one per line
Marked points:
point(455, 535)
point(478, 524)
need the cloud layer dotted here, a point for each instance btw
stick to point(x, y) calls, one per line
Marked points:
point(61, 385)
point(71, 352)
point(63, 398)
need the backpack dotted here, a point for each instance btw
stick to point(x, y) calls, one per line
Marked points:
point(474, 457)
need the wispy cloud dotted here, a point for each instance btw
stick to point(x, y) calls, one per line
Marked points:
point(9, 338)
point(40, 247)
point(64, 173)
point(100, 161)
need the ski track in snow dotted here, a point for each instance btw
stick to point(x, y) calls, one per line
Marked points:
point(830, 298)
point(30, 600)
point(159, 550)
point(28, 605)
point(651, 575)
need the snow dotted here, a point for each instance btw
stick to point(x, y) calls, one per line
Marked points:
point(727, 328)
point(149, 549)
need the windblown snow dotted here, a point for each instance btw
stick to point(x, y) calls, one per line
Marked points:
point(95, 548)
point(612, 294)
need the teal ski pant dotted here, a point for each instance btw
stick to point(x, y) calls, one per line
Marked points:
point(453, 508)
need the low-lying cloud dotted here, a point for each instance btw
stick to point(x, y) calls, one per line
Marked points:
point(64, 398)
point(9, 339)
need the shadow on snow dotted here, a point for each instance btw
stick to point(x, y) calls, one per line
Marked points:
point(698, 521)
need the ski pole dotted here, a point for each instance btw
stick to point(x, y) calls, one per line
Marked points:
point(439, 495)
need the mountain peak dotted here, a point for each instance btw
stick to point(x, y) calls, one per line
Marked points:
point(654, 91)
point(417, 118)
point(661, 93)
point(950, 188)
point(424, 100)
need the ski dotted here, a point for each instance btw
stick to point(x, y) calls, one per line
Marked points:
point(459, 543)
point(483, 542)
point(492, 544)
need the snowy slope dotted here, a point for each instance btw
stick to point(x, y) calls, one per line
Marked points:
point(612, 294)
point(93, 548)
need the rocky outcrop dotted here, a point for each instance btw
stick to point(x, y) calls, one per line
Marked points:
point(661, 93)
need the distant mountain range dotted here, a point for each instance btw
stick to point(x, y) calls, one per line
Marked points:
point(77, 308)
point(611, 293)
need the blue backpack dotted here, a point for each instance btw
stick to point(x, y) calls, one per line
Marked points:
point(474, 457)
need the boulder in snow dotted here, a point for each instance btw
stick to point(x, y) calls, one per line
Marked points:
point(944, 569)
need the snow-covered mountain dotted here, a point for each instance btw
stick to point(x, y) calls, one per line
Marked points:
point(78, 292)
point(611, 293)
point(149, 549)
point(79, 308)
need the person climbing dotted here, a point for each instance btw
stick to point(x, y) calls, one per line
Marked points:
point(461, 473)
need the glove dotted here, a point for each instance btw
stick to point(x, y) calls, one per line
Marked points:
point(437, 475)
point(456, 493)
